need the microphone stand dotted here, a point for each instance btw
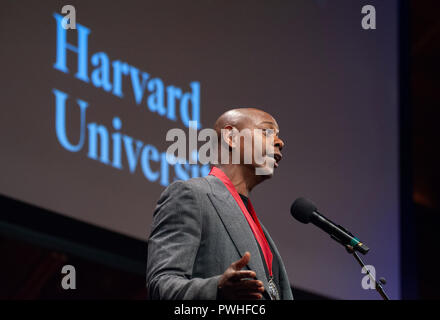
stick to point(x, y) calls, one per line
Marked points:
point(378, 285)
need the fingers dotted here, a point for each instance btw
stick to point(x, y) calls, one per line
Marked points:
point(241, 284)
point(247, 287)
point(251, 285)
point(249, 296)
point(240, 264)
point(242, 274)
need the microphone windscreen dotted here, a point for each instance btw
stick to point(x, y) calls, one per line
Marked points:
point(302, 210)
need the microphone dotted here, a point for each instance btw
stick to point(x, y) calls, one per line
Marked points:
point(305, 211)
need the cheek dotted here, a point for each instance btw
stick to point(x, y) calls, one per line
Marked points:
point(246, 145)
point(259, 142)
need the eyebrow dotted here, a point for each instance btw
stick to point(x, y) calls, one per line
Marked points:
point(269, 122)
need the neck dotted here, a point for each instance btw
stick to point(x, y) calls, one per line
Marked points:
point(242, 177)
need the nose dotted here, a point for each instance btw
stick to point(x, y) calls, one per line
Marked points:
point(279, 143)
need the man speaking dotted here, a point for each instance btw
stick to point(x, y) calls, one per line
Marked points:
point(206, 241)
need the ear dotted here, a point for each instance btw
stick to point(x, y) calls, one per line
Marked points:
point(229, 136)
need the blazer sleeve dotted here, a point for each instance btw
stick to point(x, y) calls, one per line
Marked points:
point(173, 245)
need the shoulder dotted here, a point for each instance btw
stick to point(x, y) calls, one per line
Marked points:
point(197, 186)
point(194, 189)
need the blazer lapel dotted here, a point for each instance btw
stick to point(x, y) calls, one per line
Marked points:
point(286, 290)
point(237, 226)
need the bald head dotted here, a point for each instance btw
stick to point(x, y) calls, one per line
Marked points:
point(249, 142)
point(242, 118)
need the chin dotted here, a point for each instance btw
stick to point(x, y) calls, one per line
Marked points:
point(264, 172)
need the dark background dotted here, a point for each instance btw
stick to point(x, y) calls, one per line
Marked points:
point(424, 53)
point(31, 261)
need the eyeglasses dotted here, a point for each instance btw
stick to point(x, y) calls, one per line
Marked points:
point(268, 132)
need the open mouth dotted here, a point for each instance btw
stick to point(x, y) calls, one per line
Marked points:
point(277, 157)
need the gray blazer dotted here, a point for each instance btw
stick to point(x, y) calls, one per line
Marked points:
point(198, 230)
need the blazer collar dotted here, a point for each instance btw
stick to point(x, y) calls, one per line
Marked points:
point(236, 225)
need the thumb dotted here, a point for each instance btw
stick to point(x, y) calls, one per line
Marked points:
point(240, 264)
